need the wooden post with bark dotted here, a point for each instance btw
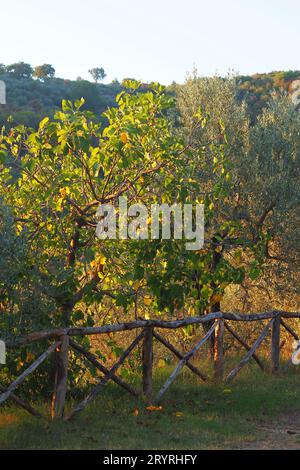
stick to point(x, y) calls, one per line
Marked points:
point(147, 362)
point(61, 376)
point(219, 351)
point(275, 347)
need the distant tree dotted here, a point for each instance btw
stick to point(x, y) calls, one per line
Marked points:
point(98, 74)
point(44, 71)
point(20, 70)
point(2, 69)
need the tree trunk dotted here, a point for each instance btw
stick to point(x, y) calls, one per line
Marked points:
point(275, 351)
point(207, 326)
point(61, 375)
point(148, 362)
point(218, 351)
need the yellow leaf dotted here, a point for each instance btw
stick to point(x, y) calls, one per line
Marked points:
point(147, 300)
point(227, 390)
point(136, 412)
point(29, 357)
point(124, 138)
point(64, 192)
point(178, 414)
point(101, 260)
point(161, 363)
point(136, 285)
point(215, 299)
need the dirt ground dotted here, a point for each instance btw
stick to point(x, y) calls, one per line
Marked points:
point(280, 434)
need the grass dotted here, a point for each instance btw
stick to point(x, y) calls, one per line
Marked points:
point(194, 416)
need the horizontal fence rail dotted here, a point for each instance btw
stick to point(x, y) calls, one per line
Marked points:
point(216, 325)
point(171, 325)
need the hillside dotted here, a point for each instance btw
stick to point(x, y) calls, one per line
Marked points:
point(256, 89)
point(29, 99)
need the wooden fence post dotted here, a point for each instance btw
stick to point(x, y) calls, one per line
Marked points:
point(147, 361)
point(218, 351)
point(275, 346)
point(61, 375)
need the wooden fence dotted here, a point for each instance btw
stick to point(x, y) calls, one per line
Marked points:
point(63, 340)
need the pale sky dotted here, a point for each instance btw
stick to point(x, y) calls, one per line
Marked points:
point(158, 40)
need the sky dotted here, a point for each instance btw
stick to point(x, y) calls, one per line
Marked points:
point(154, 40)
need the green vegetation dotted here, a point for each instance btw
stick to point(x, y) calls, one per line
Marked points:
point(34, 92)
point(194, 416)
point(256, 89)
point(200, 147)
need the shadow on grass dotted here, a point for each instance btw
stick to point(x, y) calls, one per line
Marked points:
point(193, 416)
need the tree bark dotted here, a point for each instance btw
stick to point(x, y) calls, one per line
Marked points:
point(219, 351)
point(178, 354)
point(248, 356)
point(244, 344)
point(275, 349)
point(61, 376)
point(183, 362)
point(93, 360)
point(9, 391)
point(148, 362)
point(171, 325)
point(23, 404)
point(106, 378)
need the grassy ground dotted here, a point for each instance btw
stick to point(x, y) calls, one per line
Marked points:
point(194, 416)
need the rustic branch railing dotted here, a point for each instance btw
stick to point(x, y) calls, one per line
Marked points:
point(63, 342)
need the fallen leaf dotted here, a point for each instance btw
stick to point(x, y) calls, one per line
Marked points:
point(154, 408)
point(161, 363)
